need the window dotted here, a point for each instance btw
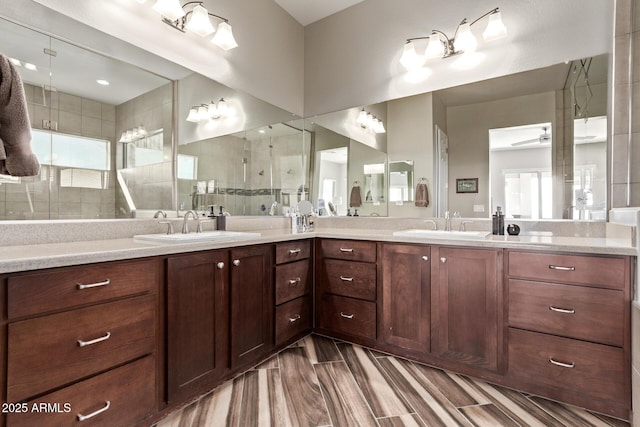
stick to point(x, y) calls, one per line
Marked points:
point(187, 167)
point(59, 149)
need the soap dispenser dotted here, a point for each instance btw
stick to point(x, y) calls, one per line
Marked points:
point(498, 222)
point(221, 219)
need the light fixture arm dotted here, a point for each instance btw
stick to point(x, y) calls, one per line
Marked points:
point(180, 23)
point(491, 12)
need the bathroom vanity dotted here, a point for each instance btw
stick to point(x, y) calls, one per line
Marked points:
point(130, 339)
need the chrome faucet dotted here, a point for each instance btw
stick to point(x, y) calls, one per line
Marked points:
point(160, 212)
point(185, 221)
point(272, 209)
point(447, 221)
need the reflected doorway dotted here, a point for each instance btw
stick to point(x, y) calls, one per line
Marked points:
point(520, 166)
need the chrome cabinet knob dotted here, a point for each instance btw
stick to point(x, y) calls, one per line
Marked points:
point(425, 258)
point(236, 262)
point(443, 260)
point(220, 265)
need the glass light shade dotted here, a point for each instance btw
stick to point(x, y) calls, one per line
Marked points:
point(213, 111)
point(141, 1)
point(203, 112)
point(170, 9)
point(370, 120)
point(193, 115)
point(199, 22)
point(123, 137)
point(362, 118)
point(223, 108)
point(410, 59)
point(379, 127)
point(224, 37)
point(465, 40)
point(495, 28)
point(435, 48)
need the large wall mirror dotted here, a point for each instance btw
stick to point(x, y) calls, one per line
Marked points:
point(350, 174)
point(104, 132)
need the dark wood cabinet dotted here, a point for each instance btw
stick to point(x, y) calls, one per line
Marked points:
point(252, 304)
point(467, 306)
point(197, 322)
point(568, 335)
point(85, 337)
point(406, 296)
point(347, 289)
point(293, 274)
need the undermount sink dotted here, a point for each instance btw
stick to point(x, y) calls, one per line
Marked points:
point(207, 236)
point(441, 234)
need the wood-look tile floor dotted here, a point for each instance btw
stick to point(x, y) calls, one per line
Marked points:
point(321, 382)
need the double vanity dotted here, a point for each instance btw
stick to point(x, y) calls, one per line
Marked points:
point(122, 331)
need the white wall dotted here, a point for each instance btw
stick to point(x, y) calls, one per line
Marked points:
point(267, 64)
point(410, 137)
point(351, 58)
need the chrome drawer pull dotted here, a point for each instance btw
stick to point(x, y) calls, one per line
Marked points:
point(346, 316)
point(93, 414)
point(95, 341)
point(562, 310)
point(294, 251)
point(561, 364)
point(93, 285)
point(294, 281)
point(561, 268)
point(347, 250)
point(294, 318)
point(346, 279)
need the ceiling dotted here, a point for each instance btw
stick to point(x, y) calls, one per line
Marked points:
point(309, 11)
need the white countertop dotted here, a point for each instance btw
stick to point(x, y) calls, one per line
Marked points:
point(33, 257)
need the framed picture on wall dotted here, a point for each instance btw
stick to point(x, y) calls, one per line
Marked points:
point(466, 185)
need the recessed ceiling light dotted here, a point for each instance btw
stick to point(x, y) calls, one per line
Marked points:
point(15, 62)
point(103, 82)
point(261, 131)
point(30, 66)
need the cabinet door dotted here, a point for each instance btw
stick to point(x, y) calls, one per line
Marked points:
point(406, 296)
point(467, 303)
point(252, 304)
point(198, 318)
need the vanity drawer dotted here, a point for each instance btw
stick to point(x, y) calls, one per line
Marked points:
point(54, 290)
point(579, 269)
point(293, 318)
point(351, 279)
point(292, 251)
point(292, 281)
point(575, 311)
point(51, 351)
point(349, 316)
point(352, 250)
point(577, 367)
point(129, 391)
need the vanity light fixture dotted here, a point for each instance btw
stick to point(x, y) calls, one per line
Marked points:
point(213, 110)
point(366, 120)
point(193, 16)
point(463, 40)
point(134, 134)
